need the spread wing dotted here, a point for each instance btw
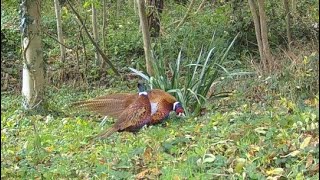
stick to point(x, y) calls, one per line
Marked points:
point(136, 115)
point(109, 105)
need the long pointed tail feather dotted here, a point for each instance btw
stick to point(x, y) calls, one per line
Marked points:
point(106, 133)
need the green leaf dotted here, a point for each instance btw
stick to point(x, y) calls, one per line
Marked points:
point(208, 158)
point(305, 142)
point(275, 171)
point(139, 73)
point(240, 163)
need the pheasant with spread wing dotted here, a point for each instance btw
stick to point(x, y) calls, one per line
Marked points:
point(124, 105)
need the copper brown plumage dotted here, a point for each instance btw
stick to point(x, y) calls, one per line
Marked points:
point(132, 111)
point(133, 117)
point(162, 103)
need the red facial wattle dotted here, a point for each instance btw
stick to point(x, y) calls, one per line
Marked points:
point(179, 110)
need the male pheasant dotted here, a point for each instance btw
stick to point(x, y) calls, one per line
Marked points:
point(113, 105)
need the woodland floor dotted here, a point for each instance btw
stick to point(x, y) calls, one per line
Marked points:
point(238, 139)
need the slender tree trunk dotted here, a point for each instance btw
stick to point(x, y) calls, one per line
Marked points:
point(155, 9)
point(264, 35)
point(256, 21)
point(118, 8)
point(104, 30)
point(294, 6)
point(146, 36)
point(84, 53)
point(288, 22)
point(59, 30)
point(95, 32)
point(135, 7)
point(33, 66)
point(260, 24)
point(104, 23)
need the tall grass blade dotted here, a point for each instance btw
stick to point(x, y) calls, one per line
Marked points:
point(223, 68)
point(229, 47)
point(139, 73)
point(197, 64)
point(175, 77)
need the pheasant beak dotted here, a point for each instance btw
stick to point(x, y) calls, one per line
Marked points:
point(181, 115)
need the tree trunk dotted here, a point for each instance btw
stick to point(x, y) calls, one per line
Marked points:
point(104, 23)
point(59, 30)
point(135, 7)
point(260, 24)
point(155, 9)
point(118, 9)
point(104, 30)
point(264, 35)
point(146, 36)
point(288, 22)
point(293, 6)
point(84, 53)
point(95, 32)
point(33, 65)
point(256, 21)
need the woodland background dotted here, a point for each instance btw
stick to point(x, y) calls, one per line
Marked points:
point(248, 116)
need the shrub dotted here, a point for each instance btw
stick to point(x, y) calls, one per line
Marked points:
point(192, 80)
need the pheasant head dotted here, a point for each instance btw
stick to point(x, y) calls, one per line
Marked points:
point(177, 107)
